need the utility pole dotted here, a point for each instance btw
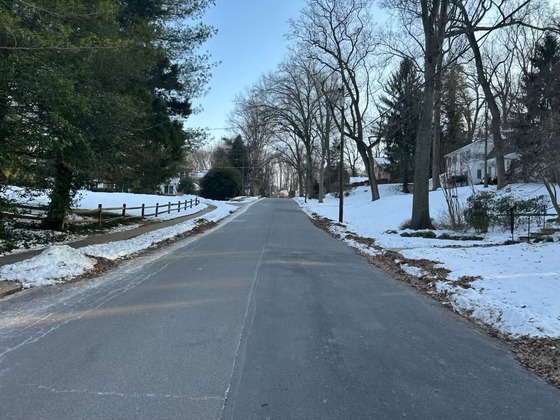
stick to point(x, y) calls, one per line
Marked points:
point(341, 180)
point(486, 145)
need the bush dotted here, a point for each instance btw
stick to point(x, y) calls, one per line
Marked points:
point(427, 234)
point(186, 185)
point(479, 210)
point(220, 184)
point(530, 206)
point(460, 237)
point(485, 209)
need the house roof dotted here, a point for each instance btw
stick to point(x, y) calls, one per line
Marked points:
point(509, 148)
point(476, 148)
point(382, 161)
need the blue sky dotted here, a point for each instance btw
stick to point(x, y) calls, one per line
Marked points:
point(249, 43)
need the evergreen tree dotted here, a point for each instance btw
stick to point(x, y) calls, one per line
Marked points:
point(220, 184)
point(238, 158)
point(537, 131)
point(84, 98)
point(453, 108)
point(402, 108)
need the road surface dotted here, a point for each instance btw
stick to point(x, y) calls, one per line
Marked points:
point(264, 317)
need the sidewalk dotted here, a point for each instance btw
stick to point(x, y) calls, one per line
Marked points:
point(8, 287)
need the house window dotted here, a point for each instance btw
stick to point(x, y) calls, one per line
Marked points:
point(479, 174)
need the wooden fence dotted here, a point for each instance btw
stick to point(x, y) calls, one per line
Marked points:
point(97, 215)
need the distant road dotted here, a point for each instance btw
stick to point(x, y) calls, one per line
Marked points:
point(264, 317)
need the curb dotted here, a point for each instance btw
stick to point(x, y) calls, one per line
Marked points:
point(9, 288)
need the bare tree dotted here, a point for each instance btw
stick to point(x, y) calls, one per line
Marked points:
point(200, 159)
point(293, 102)
point(290, 151)
point(339, 34)
point(483, 16)
point(325, 88)
point(252, 120)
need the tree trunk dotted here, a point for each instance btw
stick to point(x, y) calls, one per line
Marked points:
point(434, 15)
point(60, 198)
point(369, 164)
point(371, 175)
point(308, 175)
point(436, 146)
point(421, 198)
point(551, 188)
point(300, 182)
point(322, 178)
point(405, 181)
point(421, 195)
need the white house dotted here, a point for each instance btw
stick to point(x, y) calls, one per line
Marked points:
point(467, 163)
point(171, 187)
point(381, 169)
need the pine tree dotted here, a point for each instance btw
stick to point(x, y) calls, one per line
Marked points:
point(453, 108)
point(402, 108)
point(537, 131)
point(84, 98)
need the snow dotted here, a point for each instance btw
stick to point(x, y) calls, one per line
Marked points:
point(88, 200)
point(61, 263)
point(515, 288)
point(121, 249)
point(53, 265)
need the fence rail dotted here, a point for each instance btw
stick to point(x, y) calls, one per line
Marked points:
point(38, 212)
point(524, 221)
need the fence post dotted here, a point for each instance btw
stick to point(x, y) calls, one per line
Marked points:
point(178, 206)
point(157, 209)
point(511, 220)
point(143, 210)
point(196, 202)
point(123, 210)
point(185, 205)
point(190, 204)
point(100, 210)
point(169, 207)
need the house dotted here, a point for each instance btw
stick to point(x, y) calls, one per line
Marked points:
point(466, 165)
point(171, 187)
point(103, 185)
point(381, 169)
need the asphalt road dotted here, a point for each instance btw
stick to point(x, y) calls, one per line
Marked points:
point(264, 317)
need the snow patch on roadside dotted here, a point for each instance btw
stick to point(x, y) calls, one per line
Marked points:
point(54, 265)
point(61, 263)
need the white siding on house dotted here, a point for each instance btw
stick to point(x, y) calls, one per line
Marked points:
point(468, 161)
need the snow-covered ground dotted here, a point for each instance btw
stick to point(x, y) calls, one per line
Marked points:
point(517, 289)
point(61, 263)
point(88, 200)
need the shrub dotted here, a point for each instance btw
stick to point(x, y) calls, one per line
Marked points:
point(186, 185)
point(428, 234)
point(529, 206)
point(485, 209)
point(479, 210)
point(459, 237)
point(220, 184)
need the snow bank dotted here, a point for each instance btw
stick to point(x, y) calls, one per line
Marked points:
point(54, 265)
point(62, 263)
